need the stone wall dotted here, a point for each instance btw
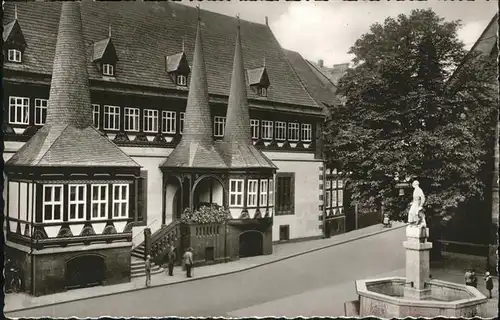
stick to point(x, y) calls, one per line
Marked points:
point(50, 269)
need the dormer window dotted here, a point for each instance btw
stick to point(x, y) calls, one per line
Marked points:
point(14, 43)
point(108, 69)
point(105, 58)
point(262, 92)
point(259, 81)
point(181, 80)
point(178, 68)
point(14, 55)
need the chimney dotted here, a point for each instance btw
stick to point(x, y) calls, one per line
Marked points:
point(267, 22)
point(320, 63)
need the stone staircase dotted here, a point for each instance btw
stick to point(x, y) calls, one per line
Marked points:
point(137, 268)
point(160, 242)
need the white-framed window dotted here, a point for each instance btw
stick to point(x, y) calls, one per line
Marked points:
point(271, 192)
point(52, 202)
point(14, 55)
point(112, 118)
point(168, 119)
point(340, 200)
point(293, 131)
point(236, 192)
point(262, 92)
point(340, 184)
point(99, 202)
point(19, 108)
point(181, 80)
point(252, 193)
point(181, 121)
point(120, 200)
point(77, 201)
point(267, 130)
point(96, 113)
point(263, 193)
point(219, 125)
point(131, 122)
point(41, 111)
point(280, 130)
point(327, 198)
point(254, 125)
point(150, 120)
point(306, 132)
point(334, 198)
point(108, 69)
point(328, 183)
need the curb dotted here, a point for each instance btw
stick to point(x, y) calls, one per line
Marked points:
point(218, 274)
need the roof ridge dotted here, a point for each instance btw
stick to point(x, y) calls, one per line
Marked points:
point(321, 73)
point(300, 80)
point(215, 13)
point(292, 69)
point(52, 144)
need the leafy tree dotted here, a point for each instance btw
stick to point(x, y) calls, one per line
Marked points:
point(404, 117)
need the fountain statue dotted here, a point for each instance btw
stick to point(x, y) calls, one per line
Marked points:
point(417, 295)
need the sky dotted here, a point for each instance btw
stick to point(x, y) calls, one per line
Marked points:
point(327, 29)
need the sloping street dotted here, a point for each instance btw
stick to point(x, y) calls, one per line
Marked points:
point(316, 283)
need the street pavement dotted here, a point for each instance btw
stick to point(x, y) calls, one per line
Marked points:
point(314, 284)
point(324, 278)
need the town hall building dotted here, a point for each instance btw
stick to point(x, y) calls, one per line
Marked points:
point(119, 116)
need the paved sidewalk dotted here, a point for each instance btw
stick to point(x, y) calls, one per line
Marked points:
point(16, 302)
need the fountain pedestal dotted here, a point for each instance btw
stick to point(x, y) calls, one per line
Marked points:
point(417, 262)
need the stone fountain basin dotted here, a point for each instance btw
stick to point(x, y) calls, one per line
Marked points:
point(384, 298)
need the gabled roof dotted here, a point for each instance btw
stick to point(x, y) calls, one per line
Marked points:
point(12, 32)
point(69, 138)
point(485, 45)
point(196, 148)
point(104, 49)
point(258, 76)
point(144, 32)
point(237, 147)
point(178, 63)
point(322, 90)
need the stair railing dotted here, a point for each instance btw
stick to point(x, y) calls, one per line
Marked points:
point(163, 238)
point(142, 233)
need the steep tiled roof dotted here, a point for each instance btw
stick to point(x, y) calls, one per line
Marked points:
point(486, 45)
point(68, 138)
point(321, 91)
point(196, 148)
point(145, 32)
point(237, 147)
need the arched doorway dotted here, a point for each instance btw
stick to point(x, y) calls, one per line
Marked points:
point(85, 271)
point(208, 190)
point(251, 244)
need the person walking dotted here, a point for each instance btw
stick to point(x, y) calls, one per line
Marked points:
point(188, 261)
point(489, 283)
point(474, 278)
point(147, 265)
point(171, 260)
point(468, 277)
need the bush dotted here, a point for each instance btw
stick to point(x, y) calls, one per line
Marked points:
point(207, 214)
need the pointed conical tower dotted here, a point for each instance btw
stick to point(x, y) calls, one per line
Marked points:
point(68, 137)
point(68, 161)
point(196, 148)
point(237, 146)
